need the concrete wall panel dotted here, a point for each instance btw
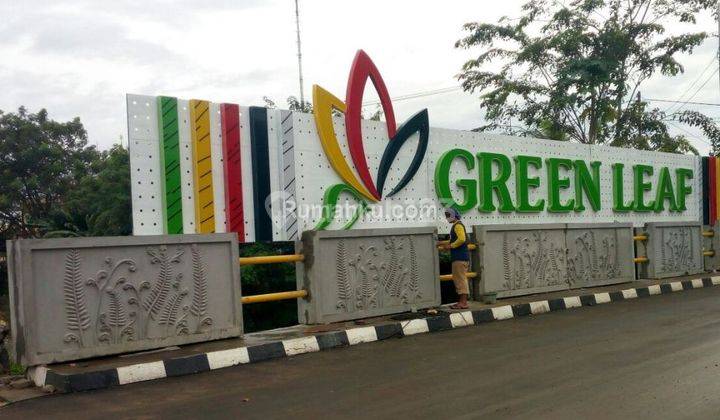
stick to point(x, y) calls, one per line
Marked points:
point(363, 273)
point(85, 297)
point(599, 254)
point(674, 249)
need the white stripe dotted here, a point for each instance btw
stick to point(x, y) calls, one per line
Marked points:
point(572, 302)
point(274, 135)
point(301, 345)
point(715, 280)
point(227, 358)
point(186, 167)
point(629, 293)
point(361, 335)
point(539, 307)
point(37, 374)
point(602, 298)
point(502, 312)
point(676, 286)
point(246, 169)
point(461, 319)
point(141, 372)
point(415, 326)
point(654, 289)
point(697, 283)
point(218, 168)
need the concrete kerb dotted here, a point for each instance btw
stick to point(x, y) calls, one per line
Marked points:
point(207, 361)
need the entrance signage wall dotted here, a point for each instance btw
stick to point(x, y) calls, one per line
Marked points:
point(268, 174)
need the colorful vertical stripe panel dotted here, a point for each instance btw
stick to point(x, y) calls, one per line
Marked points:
point(218, 174)
point(170, 164)
point(246, 164)
point(712, 194)
point(706, 190)
point(187, 171)
point(230, 117)
point(202, 165)
point(261, 173)
point(717, 190)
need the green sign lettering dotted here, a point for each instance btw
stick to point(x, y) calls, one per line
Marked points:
point(556, 184)
point(587, 183)
point(523, 183)
point(619, 204)
point(442, 180)
point(641, 186)
point(490, 184)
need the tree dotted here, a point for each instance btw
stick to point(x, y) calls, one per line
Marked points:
point(573, 71)
point(41, 160)
point(52, 182)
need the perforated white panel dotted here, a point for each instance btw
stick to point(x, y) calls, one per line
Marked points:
point(274, 120)
point(218, 172)
point(186, 167)
point(145, 172)
point(287, 181)
point(247, 178)
point(314, 175)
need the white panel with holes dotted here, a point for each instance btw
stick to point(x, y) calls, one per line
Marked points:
point(145, 175)
point(218, 168)
point(288, 176)
point(314, 175)
point(274, 120)
point(247, 179)
point(186, 167)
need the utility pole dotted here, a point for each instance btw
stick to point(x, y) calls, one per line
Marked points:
point(299, 55)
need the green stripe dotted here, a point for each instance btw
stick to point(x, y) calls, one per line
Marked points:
point(170, 156)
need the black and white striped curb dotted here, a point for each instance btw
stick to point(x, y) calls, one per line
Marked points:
point(231, 357)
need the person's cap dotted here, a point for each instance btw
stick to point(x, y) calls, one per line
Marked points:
point(452, 212)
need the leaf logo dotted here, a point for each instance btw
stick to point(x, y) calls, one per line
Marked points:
point(364, 188)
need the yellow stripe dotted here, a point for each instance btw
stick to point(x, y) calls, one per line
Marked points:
point(202, 165)
point(323, 104)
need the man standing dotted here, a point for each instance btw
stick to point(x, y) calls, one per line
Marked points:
point(459, 257)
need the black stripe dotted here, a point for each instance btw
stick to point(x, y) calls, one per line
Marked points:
point(384, 332)
point(483, 315)
point(642, 292)
point(332, 340)
point(289, 183)
point(588, 300)
point(616, 296)
point(521, 309)
point(289, 114)
point(439, 323)
point(288, 130)
point(261, 172)
point(186, 365)
point(687, 285)
point(82, 381)
point(288, 149)
point(266, 351)
point(556, 304)
point(707, 282)
point(665, 288)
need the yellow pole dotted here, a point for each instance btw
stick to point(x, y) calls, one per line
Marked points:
point(271, 259)
point(640, 260)
point(708, 233)
point(448, 277)
point(640, 238)
point(272, 297)
point(470, 247)
point(708, 253)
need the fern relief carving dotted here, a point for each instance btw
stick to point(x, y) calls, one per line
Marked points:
point(199, 305)
point(76, 312)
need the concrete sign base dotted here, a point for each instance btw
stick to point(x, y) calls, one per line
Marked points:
point(673, 249)
point(524, 259)
point(362, 273)
point(78, 298)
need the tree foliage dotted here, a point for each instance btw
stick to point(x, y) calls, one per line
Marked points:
point(52, 181)
point(572, 71)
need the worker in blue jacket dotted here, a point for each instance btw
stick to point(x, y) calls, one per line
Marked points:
point(459, 256)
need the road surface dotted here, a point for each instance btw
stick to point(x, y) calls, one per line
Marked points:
point(657, 357)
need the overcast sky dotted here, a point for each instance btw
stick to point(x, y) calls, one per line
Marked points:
point(80, 57)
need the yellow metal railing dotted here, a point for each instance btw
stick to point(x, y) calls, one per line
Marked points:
point(272, 297)
point(640, 238)
point(448, 277)
point(271, 259)
point(638, 260)
point(708, 253)
point(708, 233)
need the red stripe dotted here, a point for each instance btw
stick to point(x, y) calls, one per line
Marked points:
point(230, 119)
point(713, 190)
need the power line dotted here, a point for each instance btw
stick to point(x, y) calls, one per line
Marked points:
point(692, 135)
point(417, 95)
point(697, 79)
point(697, 91)
point(683, 102)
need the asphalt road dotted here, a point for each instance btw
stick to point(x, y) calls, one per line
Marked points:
point(657, 357)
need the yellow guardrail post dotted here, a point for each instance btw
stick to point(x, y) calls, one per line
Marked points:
point(638, 260)
point(640, 237)
point(448, 277)
point(708, 253)
point(708, 233)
